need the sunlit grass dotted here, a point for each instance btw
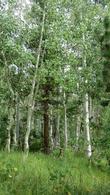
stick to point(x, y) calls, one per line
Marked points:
point(49, 175)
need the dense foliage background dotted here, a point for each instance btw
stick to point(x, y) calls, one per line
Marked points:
point(55, 80)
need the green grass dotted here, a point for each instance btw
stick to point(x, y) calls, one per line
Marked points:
point(39, 174)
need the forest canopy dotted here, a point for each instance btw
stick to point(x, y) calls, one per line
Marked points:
point(55, 77)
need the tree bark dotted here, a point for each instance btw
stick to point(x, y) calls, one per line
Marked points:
point(86, 102)
point(46, 118)
point(87, 126)
point(14, 139)
point(11, 110)
point(8, 141)
point(78, 126)
point(9, 127)
point(17, 116)
point(65, 123)
point(51, 130)
point(58, 131)
point(16, 121)
point(46, 128)
point(31, 96)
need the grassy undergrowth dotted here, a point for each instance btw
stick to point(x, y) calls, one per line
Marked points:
point(39, 174)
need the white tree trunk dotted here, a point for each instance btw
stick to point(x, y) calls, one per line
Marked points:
point(31, 96)
point(14, 139)
point(87, 126)
point(78, 126)
point(58, 131)
point(90, 107)
point(87, 110)
point(16, 129)
point(14, 144)
point(29, 121)
point(10, 125)
point(51, 130)
point(8, 141)
point(16, 121)
point(65, 123)
point(11, 110)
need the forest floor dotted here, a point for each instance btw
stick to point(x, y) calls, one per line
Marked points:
point(39, 174)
